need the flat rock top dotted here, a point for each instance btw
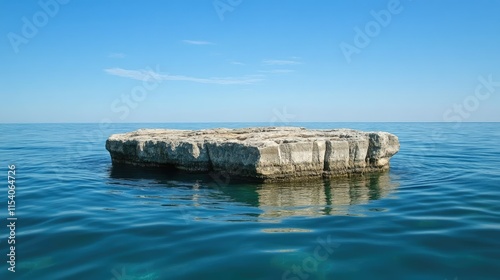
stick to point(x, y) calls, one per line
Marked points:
point(249, 136)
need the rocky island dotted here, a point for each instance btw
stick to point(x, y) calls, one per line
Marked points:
point(261, 154)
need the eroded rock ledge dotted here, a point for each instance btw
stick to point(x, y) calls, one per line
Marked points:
point(262, 153)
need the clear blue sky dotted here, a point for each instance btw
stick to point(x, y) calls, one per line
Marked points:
point(249, 60)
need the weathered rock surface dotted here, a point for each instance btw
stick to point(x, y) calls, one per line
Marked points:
point(264, 154)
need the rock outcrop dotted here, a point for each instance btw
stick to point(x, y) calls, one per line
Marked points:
point(263, 154)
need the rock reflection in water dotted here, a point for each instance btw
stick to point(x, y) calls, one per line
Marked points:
point(322, 197)
point(204, 198)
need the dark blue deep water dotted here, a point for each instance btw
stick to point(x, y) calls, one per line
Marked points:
point(435, 215)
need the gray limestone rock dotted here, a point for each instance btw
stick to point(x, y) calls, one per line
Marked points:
point(262, 153)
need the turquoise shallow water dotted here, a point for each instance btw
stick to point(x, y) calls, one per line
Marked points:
point(435, 215)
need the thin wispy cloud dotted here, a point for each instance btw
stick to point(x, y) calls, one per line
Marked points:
point(237, 63)
point(141, 75)
point(116, 55)
point(280, 62)
point(195, 42)
point(277, 71)
point(148, 75)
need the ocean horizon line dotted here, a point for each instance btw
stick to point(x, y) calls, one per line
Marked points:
point(248, 122)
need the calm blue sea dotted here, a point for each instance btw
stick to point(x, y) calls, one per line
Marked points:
point(435, 215)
